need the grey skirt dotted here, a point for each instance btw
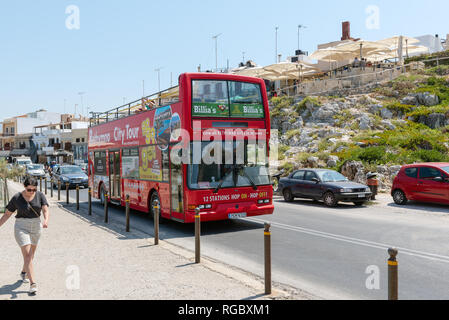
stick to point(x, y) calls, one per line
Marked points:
point(27, 231)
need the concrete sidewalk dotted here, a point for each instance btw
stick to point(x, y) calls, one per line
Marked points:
point(80, 258)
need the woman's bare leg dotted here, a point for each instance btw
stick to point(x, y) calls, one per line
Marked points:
point(28, 252)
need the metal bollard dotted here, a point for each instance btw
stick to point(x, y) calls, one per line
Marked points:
point(197, 235)
point(267, 249)
point(51, 187)
point(106, 213)
point(78, 198)
point(127, 213)
point(156, 223)
point(45, 181)
point(89, 199)
point(40, 184)
point(59, 190)
point(392, 275)
point(67, 192)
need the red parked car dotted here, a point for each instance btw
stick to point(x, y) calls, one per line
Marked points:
point(427, 182)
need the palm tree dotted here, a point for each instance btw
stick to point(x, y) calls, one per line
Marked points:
point(8, 172)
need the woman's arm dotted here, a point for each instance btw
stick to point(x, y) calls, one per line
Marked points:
point(5, 217)
point(46, 213)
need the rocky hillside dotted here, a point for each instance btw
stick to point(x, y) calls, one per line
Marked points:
point(400, 122)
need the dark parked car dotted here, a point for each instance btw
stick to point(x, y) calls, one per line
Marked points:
point(321, 184)
point(70, 174)
point(426, 182)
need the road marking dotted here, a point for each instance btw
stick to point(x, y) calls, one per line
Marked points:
point(361, 242)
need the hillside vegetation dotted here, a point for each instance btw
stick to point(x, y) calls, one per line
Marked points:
point(403, 121)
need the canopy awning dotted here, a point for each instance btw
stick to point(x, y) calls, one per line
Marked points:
point(280, 71)
point(20, 152)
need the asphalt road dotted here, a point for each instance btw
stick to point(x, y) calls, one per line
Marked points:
point(331, 253)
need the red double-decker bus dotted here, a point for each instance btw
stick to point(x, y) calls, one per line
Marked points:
point(202, 144)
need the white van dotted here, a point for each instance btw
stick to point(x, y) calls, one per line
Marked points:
point(22, 161)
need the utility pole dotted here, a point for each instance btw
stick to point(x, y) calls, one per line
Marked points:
point(243, 56)
point(82, 105)
point(276, 45)
point(300, 27)
point(216, 50)
point(158, 70)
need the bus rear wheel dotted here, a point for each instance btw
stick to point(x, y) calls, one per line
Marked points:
point(102, 196)
point(154, 202)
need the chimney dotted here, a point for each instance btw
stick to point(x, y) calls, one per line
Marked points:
point(346, 31)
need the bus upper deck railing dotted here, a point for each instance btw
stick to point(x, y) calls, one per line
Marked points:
point(161, 98)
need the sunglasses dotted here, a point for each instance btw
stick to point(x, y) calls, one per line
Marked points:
point(31, 190)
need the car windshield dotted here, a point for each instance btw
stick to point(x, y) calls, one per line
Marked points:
point(35, 167)
point(71, 170)
point(331, 176)
point(250, 170)
point(446, 169)
point(23, 162)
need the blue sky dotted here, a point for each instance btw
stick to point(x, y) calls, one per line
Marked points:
point(121, 43)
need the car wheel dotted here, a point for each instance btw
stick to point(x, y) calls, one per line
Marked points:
point(359, 203)
point(399, 197)
point(288, 196)
point(329, 199)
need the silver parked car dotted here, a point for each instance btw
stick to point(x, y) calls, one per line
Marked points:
point(35, 170)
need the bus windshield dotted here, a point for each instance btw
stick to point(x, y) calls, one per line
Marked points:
point(250, 170)
point(219, 98)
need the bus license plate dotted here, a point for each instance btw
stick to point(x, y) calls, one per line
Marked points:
point(237, 215)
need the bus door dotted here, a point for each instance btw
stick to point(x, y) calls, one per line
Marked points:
point(176, 190)
point(114, 175)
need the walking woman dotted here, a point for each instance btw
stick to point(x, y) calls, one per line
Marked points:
point(27, 230)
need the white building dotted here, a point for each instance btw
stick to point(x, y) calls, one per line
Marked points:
point(432, 42)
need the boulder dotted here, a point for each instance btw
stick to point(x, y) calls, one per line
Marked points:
point(387, 124)
point(332, 161)
point(394, 170)
point(354, 171)
point(341, 148)
point(386, 113)
point(410, 100)
point(434, 120)
point(427, 99)
point(313, 162)
point(375, 108)
point(365, 122)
